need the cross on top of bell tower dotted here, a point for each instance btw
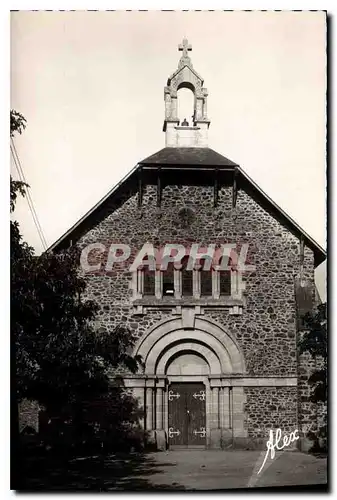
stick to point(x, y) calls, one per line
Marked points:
point(185, 134)
point(185, 47)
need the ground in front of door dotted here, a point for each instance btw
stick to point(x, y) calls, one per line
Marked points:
point(217, 470)
point(173, 471)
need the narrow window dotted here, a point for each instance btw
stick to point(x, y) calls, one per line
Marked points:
point(149, 282)
point(168, 281)
point(205, 274)
point(206, 282)
point(225, 282)
point(186, 279)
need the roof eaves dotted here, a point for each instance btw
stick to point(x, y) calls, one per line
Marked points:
point(316, 246)
point(102, 200)
point(285, 215)
point(215, 159)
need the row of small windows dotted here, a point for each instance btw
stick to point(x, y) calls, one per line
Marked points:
point(206, 287)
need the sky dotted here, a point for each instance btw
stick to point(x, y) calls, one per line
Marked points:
point(91, 86)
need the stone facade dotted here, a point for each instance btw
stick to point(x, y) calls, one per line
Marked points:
point(239, 343)
point(265, 332)
point(28, 416)
point(270, 408)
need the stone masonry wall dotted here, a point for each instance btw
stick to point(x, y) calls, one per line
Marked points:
point(271, 408)
point(266, 331)
point(268, 322)
point(28, 415)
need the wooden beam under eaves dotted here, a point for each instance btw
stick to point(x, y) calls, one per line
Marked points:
point(140, 187)
point(216, 188)
point(301, 257)
point(159, 188)
point(235, 188)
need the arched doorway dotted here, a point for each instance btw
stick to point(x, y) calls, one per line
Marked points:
point(198, 361)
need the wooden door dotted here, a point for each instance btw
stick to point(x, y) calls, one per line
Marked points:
point(187, 415)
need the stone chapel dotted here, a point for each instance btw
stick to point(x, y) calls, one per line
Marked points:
point(219, 346)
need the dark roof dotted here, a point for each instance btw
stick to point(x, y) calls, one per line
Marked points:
point(188, 156)
point(199, 159)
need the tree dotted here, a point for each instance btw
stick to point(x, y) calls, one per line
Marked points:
point(60, 359)
point(17, 123)
point(315, 342)
point(21, 253)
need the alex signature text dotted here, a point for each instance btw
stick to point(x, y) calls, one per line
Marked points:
point(278, 445)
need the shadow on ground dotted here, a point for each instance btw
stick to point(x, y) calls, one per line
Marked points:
point(98, 473)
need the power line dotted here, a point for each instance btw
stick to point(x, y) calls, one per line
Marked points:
point(28, 196)
point(29, 200)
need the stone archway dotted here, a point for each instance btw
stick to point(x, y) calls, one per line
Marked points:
point(173, 352)
point(205, 333)
point(199, 343)
point(167, 349)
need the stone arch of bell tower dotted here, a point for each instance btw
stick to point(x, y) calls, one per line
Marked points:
point(181, 134)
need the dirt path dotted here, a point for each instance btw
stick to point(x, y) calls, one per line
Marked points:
point(174, 470)
point(214, 470)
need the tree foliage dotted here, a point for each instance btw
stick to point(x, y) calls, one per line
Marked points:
point(315, 342)
point(17, 123)
point(61, 360)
